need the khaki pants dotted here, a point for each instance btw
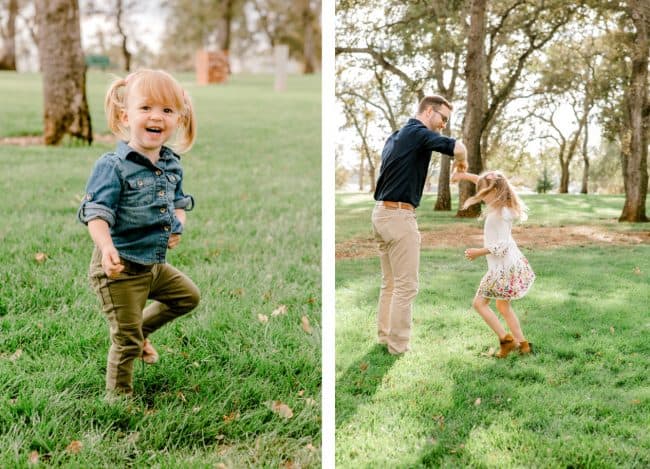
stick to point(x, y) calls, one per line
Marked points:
point(398, 238)
point(123, 301)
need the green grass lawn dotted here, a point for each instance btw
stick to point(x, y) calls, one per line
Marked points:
point(251, 245)
point(583, 399)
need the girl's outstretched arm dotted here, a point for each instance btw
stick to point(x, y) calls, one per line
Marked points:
point(463, 176)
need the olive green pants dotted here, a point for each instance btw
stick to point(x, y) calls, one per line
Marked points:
point(123, 301)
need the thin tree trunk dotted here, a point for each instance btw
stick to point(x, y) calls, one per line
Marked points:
point(476, 103)
point(8, 58)
point(125, 51)
point(362, 158)
point(443, 200)
point(64, 71)
point(635, 170)
point(585, 159)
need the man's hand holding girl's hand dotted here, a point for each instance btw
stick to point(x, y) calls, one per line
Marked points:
point(111, 262)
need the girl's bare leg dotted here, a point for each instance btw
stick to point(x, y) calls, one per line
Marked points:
point(509, 315)
point(482, 306)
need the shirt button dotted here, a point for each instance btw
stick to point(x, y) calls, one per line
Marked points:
point(161, 193)
point(158, 173)
point(166, 228)
point(163, 209)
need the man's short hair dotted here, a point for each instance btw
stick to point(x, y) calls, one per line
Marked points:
point(435, 101)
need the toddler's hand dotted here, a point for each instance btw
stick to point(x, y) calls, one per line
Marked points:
point(471, 254)
point(174, 239)
point(111, 262)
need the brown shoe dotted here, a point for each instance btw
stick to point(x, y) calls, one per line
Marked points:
point(508, 344)
point(525, 347)
point(149, 354)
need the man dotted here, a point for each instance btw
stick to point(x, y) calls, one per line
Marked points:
point(404, 165)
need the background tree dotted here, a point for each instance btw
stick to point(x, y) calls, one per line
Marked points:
point(197, 24)
point(64, 71)
point(635, 162)
point(8, 35)
point(296, 24)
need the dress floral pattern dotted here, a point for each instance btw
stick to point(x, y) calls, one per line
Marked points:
point(509, 274)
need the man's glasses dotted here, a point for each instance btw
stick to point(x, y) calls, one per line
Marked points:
point(444, 118)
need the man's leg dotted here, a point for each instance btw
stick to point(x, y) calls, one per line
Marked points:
point(404, 256)
point(380, 218)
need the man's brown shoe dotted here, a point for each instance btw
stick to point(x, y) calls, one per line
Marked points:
point(149, 354)
point(508, 344)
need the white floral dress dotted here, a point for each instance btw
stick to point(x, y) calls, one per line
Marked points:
point(509, 274)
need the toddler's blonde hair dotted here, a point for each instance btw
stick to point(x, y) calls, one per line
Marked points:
point(160, 87)
point(505, 195)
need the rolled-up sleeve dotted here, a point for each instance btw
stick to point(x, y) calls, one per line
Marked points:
point(182, 200)
point(102, 193)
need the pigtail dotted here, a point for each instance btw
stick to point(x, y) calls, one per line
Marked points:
point(187, 126)
point(114, 106)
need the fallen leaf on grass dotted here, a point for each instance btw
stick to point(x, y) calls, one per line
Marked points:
point(40, 257)
point(311, 447)
point(282, 309)
point(310, 401)
point(231, 417)
point(281, 409)
point(181, 396)
point(637, 271)
point(74, 447)
point(221, 466)
point(301, 392)
point(611, 329)
point(477, 401)
point(288, 464)
point(16, 355)
point(363, 366)
point(33, 458)
point(263, 318)
point(305, 325)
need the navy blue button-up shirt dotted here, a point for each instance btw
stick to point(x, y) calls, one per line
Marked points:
point(137, 199)
point(405, 161)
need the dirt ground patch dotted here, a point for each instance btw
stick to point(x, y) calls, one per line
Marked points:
point(534, 237)
point(30, 140)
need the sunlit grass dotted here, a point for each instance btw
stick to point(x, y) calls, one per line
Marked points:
point(582, 400)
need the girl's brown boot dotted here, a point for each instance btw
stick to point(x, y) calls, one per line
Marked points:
point(508, 344)
point(525, 347)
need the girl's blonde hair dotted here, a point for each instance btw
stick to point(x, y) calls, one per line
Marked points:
point(505, 195)
point(159, 87)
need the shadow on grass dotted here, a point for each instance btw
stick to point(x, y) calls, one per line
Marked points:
point(481, 401)
point(358, 384)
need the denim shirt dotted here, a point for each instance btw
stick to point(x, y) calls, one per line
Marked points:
point(137, 199)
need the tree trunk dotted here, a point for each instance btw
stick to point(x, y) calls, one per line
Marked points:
point(585, 159)
point(564, 177)
point(475, 75)
point(635, 169)
point(64, 71)
point(125, 51)
point(308, 45)
point(8, 58)
point(443, 200)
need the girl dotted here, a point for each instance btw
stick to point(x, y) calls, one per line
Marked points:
point(509, 275)
point(135, 210)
